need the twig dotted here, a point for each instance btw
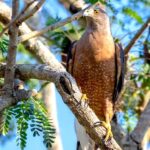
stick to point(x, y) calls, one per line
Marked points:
point(11, 57)
point(137, 35)
point(16, 18)
point(32, 12)
point(52, 27)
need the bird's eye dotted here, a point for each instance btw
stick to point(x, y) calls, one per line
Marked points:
point(96, 11)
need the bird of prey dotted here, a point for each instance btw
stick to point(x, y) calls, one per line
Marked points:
point(97, 64)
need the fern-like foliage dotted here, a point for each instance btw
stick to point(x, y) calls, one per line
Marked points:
point(4, 41)
point(33, 114)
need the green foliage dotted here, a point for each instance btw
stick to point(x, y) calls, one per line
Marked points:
point(33, 114)
point(94, 1)
point(132, 13)
point(4, 41)
point(5, 127)
point(136, 89)
point(62, 38)
point(51, 20)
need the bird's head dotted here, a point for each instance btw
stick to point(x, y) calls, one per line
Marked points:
point(96, 15)
point(95, 11)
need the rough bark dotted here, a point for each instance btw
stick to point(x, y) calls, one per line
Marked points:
point(11, 56)
point(135, 140)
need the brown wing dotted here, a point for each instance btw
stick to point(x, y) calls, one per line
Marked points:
point(119, 71)
point(70, 57)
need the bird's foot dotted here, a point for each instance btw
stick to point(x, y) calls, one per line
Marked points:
point(109, 134)
point(107, 126)
point(84, 99)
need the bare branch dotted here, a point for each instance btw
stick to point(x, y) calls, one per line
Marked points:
point(71, 95)
point(134, 140)
point(11, 57)
point(32, 12)
point(16, 18)
point(137, 35)
point(73, 6)
point(7, 100)
point(142, 126)
point(52, 27)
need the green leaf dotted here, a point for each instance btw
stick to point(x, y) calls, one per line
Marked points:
point(133, 14)
point(94, 1)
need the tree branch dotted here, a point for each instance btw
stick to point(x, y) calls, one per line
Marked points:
point(31, 13)
point(11, 56)
point(134, 141)
point(73, 6)
point(16, 18)
point(52, 27)
point(71, 95)
point(142, 126)
point(137, 35)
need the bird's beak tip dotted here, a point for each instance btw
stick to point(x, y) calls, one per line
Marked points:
point(85, 14)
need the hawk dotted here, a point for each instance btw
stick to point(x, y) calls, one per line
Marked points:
point(97, 64)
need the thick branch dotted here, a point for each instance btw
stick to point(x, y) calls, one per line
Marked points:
point(11, 56)
point(137, 35)
point(71, 95)
point(135, 139)
point(142, 126)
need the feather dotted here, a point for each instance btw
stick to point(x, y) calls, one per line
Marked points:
point(119, 71)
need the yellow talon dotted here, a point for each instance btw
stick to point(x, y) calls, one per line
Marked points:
point(84, 97)
point(107, 126)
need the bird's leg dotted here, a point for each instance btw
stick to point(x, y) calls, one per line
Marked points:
point(107, 126)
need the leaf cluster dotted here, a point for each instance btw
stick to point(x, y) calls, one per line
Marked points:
point(4, 41)
point(29, 114)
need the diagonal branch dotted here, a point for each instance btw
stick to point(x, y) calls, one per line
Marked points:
point(32, 12)
point(71, 95)
point(16, 18)
point(137, 35)
point(142, 126)
point(135, 140)
point(52, 27)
